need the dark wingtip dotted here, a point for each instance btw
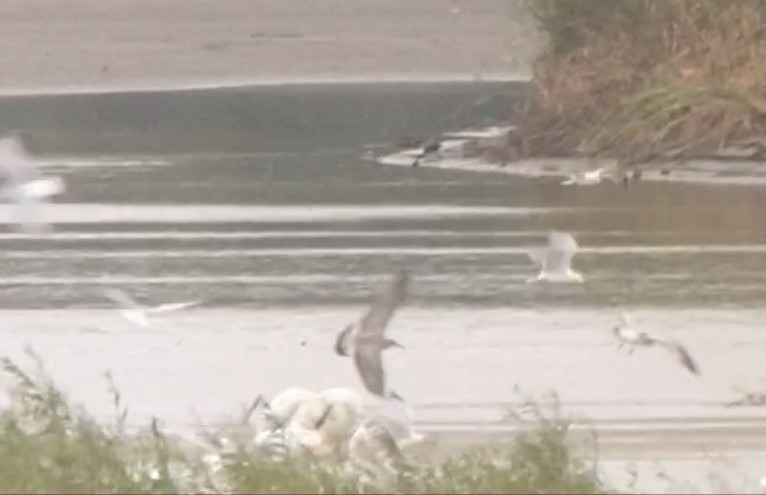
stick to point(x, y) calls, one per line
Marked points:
point(394, 395)
point(339, 348)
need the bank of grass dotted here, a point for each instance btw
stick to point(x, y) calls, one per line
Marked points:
point(47, 445)
point(640, 80)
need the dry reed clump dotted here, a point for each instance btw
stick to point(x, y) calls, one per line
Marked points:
point(640, 80)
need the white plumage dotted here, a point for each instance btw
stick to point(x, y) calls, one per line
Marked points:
point(626, 335)
point(138, 314)
point(25, 185)
point(555, 260)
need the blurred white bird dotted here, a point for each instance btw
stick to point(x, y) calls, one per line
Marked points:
point(25, 185)
point(397, 416)
point(376, 448)
point(589, 178)
point(138, 314)
point(300, 421)
point(633, 338)
point(555, 260)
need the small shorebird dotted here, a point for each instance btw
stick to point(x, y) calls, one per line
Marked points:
point(555, 260)
point(364, 339)
point(138, 314)
point(25, 185)
point(588, 178)
point(634, 338)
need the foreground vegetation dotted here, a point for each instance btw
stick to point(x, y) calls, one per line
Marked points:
point(49, 446)
point(640, 80)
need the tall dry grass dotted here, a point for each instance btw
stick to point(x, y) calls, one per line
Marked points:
point(645, 79)
point(47, 445)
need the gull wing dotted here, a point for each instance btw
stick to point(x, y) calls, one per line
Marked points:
point(121, 298)
point(166, 308)
point(15, 162)
point(558, 255)
point(683, 356)
point(562, 241)
point(369, 364)
point(374, 322)
point(537, 256)
point(343, 342)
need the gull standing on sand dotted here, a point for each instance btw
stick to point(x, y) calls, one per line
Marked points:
point(364, 339)
point(138, 314)
point(25, 185)
point(633, 338)
point(555, 260)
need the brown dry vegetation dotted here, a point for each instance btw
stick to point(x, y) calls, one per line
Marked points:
point(640, 80)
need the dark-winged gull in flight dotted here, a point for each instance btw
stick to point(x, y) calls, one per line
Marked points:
point(364, 340)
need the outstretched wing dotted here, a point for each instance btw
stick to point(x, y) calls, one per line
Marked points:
point(374, 322)
point(537, 256)
point(343, 342)
point(369, 364)
point(121, 298)
point(682, 354)
point(15, 162)
point(165, 308)
point(562, 241)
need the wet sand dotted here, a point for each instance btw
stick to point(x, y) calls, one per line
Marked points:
point(144, 43)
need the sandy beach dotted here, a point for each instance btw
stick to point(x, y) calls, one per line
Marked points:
point(146, 44)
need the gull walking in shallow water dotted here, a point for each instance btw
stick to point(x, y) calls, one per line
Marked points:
point(555, 260)
point(138, 314)
point(633, 338)
point(25, 185)
point(364, 339)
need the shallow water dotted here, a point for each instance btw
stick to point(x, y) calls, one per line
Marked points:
point(287, 244)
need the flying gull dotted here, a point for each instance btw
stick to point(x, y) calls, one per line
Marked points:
point(364, 339)
point(633, 338)
point(555, 260)
point(25, 185)
point(138, 314)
